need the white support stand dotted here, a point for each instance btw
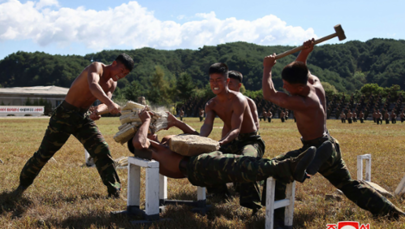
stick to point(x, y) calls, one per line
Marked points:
point(151, 211)
point(271, 205)
point(360, 159)
point(401, 187)
point(200, 205)
point(367, 178)
point(88, 159)
point(156, 192)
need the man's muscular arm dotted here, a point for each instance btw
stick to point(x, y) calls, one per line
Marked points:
point(102, 108)
point(308, 47)
point(303, 56)
point(93, 77)
point(140, 140)
point(173, 121)
point(225, 131)
point(236, 120)
point(206, 128)
point(279, 98)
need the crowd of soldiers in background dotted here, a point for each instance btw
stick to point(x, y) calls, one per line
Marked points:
point(372, 108)
point(283, 114)
point(266, 110)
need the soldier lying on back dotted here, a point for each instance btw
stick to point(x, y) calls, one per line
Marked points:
point(213, 168)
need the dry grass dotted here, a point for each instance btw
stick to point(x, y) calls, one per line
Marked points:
point(66, 195)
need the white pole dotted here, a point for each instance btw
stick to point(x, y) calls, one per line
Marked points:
point(88, 159)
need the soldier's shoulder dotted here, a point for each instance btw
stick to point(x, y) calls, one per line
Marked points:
point(211, 103)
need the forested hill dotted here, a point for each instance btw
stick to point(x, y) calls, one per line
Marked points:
point(346, 66)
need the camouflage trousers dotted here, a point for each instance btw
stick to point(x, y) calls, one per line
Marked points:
point(216, 168)
point(335, 170)
point(69, 120)
point(250, 145)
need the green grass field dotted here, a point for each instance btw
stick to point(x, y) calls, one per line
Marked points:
point(67, 195)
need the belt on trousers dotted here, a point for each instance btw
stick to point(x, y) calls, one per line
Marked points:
point(245, 136)
point(70, 107)
point(183, 165)
point(316, 141)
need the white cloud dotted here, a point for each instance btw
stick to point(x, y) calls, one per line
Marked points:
point(134, 26)
point(44, 3)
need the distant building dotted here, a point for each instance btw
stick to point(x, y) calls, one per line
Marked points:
point(17, 96)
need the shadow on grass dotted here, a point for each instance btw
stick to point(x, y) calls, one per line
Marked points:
point(176, 217)
point(73, 198)
point(212, 198)
point(98, 219)
point(217, 217)
point(302, 218)
point(182, 195)
point(10, 202)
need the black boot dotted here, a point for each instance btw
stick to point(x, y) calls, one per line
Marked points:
point(299, 164)
point(19, 191)
point(323, 153)
point(395, 213)
point(116, 195)
point(295, 168)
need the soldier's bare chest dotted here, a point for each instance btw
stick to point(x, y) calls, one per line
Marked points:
point(224, 110)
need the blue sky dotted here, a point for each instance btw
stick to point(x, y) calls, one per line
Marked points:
point(82, 27)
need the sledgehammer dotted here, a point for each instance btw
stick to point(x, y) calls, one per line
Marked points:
point(339, 33)
point(105, 111)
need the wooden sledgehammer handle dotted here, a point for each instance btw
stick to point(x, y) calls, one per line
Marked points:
point(339, 33)
point(105, 111)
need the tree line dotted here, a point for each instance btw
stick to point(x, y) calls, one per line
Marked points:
point(165, 76)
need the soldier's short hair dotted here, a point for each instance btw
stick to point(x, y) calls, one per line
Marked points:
point(295, 73)
point(126, 60)
point(219, 68)
point(235, 75)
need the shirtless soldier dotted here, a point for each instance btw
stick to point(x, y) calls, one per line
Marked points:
point(71, 117)
point(387, 117)
point(349, 117)
point(379, 117)
point(308, 103)
point(269, 115)
point(235, 83)
point(181, 114)
point(361, 116)
point(393, 117)
point(343, 117)
point(264, 115)
point(282, 114)
point(354, 116)
point(241, 130)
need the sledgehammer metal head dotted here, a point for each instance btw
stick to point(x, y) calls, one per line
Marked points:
point(339, 33)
